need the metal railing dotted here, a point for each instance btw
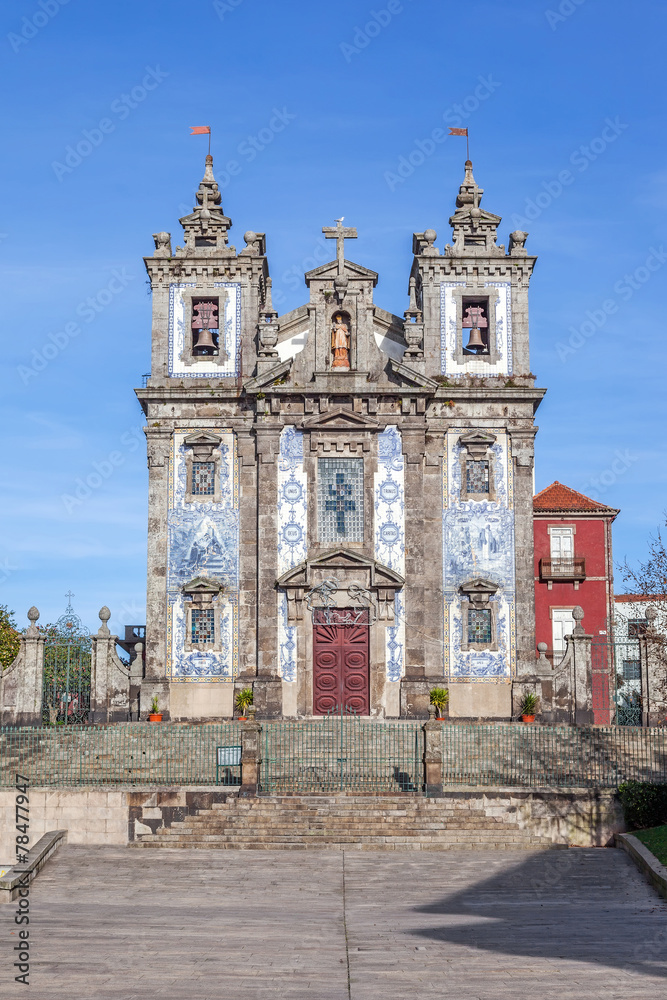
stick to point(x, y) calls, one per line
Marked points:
point(335, 754)
point(563, 569)
point(140, 753)
point(342, 753)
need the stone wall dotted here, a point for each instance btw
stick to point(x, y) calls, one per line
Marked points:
point(579, 817)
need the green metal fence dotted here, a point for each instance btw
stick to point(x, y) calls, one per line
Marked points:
point(342, 753)
point(335, 754)
point(540, 756)
point(133, 754)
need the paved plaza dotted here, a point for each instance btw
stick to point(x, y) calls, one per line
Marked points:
point(111, 922)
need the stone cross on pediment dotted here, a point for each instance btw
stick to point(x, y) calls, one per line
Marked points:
point(340, 233)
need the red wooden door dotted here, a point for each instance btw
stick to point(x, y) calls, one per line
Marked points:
point(340, 661)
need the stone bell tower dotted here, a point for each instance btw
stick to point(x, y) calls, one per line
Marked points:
point(340, 499)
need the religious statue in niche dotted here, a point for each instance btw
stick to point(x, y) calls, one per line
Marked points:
point(340, 340)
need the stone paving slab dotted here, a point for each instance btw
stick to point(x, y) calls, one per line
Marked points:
point(109, 922)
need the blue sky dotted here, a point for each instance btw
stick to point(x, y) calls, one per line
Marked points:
point(565, 106)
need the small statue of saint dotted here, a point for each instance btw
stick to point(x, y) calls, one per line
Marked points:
point(340, 342)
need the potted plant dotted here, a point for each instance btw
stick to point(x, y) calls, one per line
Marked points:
point(528, 707)
point(243, 699)
point(440, 698)
point(155, 714)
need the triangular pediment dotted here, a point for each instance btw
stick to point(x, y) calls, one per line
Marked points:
point(202, 437)
point(202, 585)
point(341, 560)
point(330, 270)
point(340, 419)
point(479, 586)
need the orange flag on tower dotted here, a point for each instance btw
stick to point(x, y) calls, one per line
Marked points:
point(458, 131)
point(200, 130)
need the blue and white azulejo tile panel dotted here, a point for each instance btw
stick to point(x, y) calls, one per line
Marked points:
point(478, 541)
point(203, 540)
point(448, 332)
point(229, 335)
point(292, 535)
point(389, 527)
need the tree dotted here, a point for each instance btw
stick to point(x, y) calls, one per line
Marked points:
point(650, 580)
point(10, 638)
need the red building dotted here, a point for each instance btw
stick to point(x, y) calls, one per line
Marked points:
point(573, 565)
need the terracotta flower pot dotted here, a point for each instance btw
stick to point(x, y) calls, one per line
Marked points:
point(155, 717)
point(242, 718)
point(528, 718)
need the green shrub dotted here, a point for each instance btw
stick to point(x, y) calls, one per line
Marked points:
point(644, 804)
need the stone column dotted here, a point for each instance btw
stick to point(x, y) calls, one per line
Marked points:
point(109, 677)
point(248, 546)
point(268, 686)
point(432, 755)
point(250, 754)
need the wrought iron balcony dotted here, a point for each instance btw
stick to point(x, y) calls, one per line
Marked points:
point(563, 569)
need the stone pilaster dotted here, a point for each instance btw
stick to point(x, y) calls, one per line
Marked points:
point(23, 680)
point(268, 686)
point(250, 755)
point(155, 682)
point(522, 455)
point(415, 684)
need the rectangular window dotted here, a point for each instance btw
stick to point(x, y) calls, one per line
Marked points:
point(203, 627)
point(637, 628)
point(631, 670)
point(562, 625)
point(340, 495)
point(479, 625)
point(477, 476)
point(562, 544)
point(203, 479)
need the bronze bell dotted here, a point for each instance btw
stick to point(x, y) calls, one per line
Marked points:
point(476, 343)
point(205, 340)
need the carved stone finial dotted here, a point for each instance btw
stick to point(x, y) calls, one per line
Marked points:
point(578, 615)
point(431, 713)
point(33, 615)
point(162, 244)
point(470, 194)
point(104, 616)
point(542, 648)
point(517, 243)
point(255, 244)
point(252, 711)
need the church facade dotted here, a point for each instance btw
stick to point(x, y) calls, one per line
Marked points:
point(340, 499)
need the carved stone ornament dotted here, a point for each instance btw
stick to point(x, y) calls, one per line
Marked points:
point(162, 244)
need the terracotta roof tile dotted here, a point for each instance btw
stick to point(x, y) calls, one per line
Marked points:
point(558, 497)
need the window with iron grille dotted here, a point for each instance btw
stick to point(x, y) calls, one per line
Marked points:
point(637, 628)
point(477, 476)
point(631, 670)
point(203, 479)
point(479, 625)
point(203, 626)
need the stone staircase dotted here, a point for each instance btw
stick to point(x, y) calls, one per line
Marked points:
point(350, 822)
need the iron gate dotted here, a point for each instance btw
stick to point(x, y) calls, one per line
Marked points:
point(619, 667)
point(342, 752)
point(67, 656)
